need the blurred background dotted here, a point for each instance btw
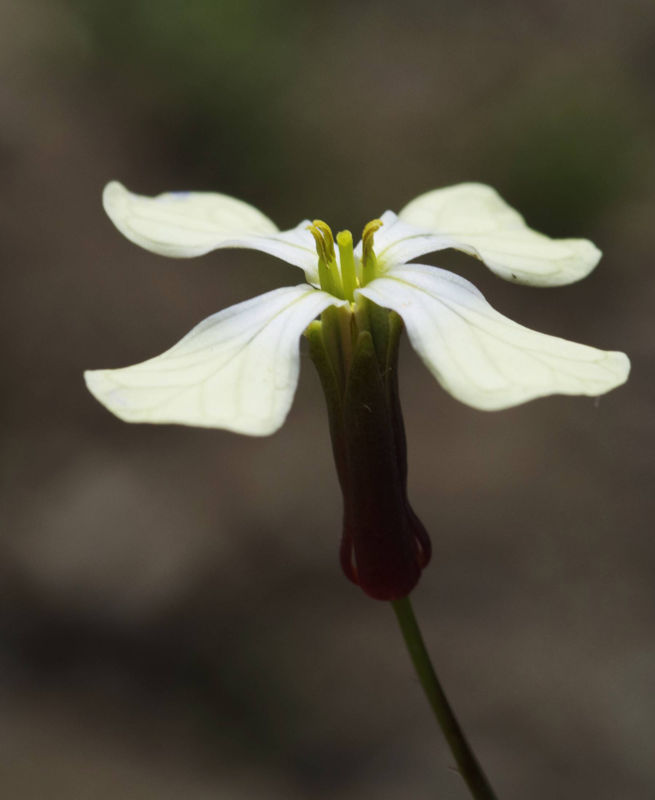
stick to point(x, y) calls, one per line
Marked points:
point(173, 619)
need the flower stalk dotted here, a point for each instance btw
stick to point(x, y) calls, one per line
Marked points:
point(468, 764)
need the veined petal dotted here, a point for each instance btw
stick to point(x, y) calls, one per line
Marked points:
point(397, 242)
point(478, 355)
point(481, 223)
point(237, 370)
point(186, 224)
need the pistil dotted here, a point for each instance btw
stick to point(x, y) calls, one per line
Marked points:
point(347, 261)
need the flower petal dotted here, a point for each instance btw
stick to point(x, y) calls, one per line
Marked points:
point(478, 355)
point(237, 369)
point(186, 224)
point(481, 223)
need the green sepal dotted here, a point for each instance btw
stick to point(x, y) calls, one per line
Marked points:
point(332, 383)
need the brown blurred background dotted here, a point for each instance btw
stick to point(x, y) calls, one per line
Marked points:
point(173, 620)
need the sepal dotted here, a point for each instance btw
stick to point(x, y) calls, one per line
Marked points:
point(384, 546)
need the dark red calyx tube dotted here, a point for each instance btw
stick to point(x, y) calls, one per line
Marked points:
point(384, 545)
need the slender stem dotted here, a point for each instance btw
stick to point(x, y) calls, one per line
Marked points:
point(468, 764)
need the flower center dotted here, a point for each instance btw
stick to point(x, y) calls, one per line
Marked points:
point(341, 276)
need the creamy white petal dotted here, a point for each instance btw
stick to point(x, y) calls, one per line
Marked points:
point(478, 355)
point(237, 369)
point(481, 223)
point(186, 224)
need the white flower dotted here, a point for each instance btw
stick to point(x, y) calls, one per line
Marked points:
point(238, 369)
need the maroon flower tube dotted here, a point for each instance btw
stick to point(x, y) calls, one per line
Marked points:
point(384, 546)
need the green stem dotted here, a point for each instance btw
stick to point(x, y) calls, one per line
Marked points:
point(468, 764)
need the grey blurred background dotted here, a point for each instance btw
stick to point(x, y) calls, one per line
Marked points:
point(173, 620)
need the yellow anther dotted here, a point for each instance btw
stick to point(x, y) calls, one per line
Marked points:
point(369, 232)
point(326, 232)
point(369, 260)
point(320, 242)
point(328, 270)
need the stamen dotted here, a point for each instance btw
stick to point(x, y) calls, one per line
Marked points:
point(324, 228)
point(370, 228)
point(320, 244)
point(369, 260)
point(328, 272)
